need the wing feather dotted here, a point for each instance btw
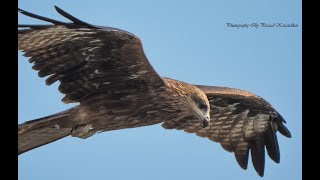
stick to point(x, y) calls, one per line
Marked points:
point(241, 122)
point(242, 153)
point(86, 59)
point(271, 142)
point(257, 155)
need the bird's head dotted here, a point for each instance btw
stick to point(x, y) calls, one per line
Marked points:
point(193, 100)
point(200, 106)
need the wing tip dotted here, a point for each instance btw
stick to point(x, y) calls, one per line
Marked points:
point(243, 164)
point(35, 16)
point(75, 20)
point(281, 127)
point(284, 130)
point(242, 155)
point(261, 174)
point(56, 7)
point(258, 155)
point(271, 143)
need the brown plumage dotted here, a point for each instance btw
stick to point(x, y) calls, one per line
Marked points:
point(106, 71)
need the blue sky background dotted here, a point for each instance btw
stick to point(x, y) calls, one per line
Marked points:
point(188, 41)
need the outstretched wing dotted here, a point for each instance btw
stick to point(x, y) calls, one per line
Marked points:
point(240, 121)
point(85, 58)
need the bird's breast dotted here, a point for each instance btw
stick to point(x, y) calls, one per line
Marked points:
point(107, 113)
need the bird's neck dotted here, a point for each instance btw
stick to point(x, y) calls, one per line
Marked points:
point(179, 94)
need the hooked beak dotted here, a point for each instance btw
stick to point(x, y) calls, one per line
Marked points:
point(205, 121)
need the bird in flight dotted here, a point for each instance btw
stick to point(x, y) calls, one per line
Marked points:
point(106, 71)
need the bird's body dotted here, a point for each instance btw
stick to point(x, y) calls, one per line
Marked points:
point(106, 71)
point(140, 110)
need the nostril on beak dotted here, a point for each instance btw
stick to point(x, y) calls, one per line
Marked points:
point(205, 123)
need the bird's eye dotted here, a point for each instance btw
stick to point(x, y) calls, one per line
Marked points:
point(202, 106)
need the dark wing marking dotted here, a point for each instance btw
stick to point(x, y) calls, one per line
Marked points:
point(240, 121)
point(86, 59)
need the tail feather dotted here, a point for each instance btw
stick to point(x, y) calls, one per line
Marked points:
point(39, 132)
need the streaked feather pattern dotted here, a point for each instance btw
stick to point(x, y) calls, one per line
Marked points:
point(87, 59)
point(240, 121)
